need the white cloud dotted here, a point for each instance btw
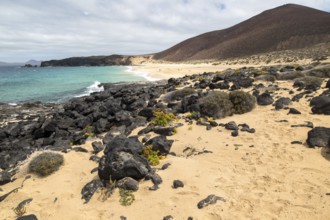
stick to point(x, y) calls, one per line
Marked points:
point(48, 29)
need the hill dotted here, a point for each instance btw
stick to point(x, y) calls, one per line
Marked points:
point(287, 27)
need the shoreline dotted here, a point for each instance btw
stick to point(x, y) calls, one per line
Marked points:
point(252, 171)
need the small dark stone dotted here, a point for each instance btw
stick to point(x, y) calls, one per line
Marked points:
point(177, 184)
point(282, 121)
point(123, 218)
point(265, 99)
point(213, 123)
point(165, 166)
point(168, 217)
point(231, 126)
point(154, 177)
point(28, 217)
point(308, 124)
point(94, 158)
point(97, 147)
point(94, 170)
point(296, 142)
point(234, 133)
point(294, 111)
point(167, 131)
point(80, 149)
point(281, 103)
point(154, 188)
point(128, 183)
point(211, 199)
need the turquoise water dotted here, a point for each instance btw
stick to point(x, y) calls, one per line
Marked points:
point(57, 84)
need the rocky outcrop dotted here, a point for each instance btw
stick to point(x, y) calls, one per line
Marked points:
point(111, 60)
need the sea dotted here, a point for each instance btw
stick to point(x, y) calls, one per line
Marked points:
point(59, 84)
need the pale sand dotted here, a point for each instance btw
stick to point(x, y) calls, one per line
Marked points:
point(156, 70)
point(261, 176)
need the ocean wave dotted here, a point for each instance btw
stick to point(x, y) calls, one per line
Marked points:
point(95, 87)
point(145, 75)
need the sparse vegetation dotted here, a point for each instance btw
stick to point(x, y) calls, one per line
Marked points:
point(19, 211)
point(46, 163)
point(88, 132)
point(108, 190)
point(162, 118)
point(242, 101)
point(151, 155)
point(179, 94)
point(126, 197)
point(216, 104)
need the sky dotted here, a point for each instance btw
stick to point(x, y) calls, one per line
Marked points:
point(56, 29)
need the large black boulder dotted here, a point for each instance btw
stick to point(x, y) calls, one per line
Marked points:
point(320, 105)
point(123, 143)
point(318, 137)
point(160, 144)
point(120, 164)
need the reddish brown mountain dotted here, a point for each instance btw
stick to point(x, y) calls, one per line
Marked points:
point(286, 27)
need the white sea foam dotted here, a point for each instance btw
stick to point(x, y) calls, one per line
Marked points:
point(12, 103)
point(95, 87)
point(145, 75)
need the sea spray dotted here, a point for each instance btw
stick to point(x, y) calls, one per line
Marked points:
point(95, 87)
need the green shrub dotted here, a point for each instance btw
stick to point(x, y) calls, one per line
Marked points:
point(162, 118)
point(46, 163)
point(179, 94)
point(216, 104)
point(126, 197)
point(242, 101)
point(151, 156)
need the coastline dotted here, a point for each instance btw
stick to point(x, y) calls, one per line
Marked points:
point(165, 70)
point(252, 171)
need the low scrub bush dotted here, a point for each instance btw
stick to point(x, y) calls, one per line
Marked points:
point(151, 156)
point(179, 94)
point(216, 104)
point(242, 101)
point(46, 163)
point(162, 118)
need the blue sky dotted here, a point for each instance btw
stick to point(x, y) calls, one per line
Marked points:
point(55, 29)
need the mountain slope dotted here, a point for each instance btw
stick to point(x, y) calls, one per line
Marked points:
point(286, 27)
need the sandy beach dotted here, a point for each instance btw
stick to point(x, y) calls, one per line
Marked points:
point(260, 175)
point(156, 70)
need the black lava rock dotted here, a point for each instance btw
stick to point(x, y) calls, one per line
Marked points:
point(294, 111)
point(211, 199)
point(177, 184)
point(161, 144)
point(90, 188)
point(128, 183)
point(265, 99)
point(318, 137)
